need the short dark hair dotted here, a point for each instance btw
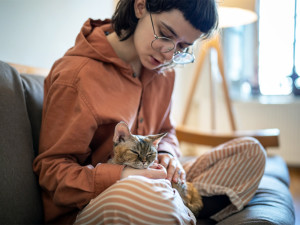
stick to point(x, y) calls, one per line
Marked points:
point(202, 15)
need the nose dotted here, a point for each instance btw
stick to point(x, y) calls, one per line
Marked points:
point(168, 56)
point(143, 159)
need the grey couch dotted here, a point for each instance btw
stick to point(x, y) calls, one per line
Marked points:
point(21, 98)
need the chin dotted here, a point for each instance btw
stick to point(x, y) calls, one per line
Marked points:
point(149, 66)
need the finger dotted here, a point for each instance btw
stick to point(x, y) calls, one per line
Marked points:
point(164, 161)
point(153, 165)
point(183, 176)
point(171, 169)
point(156, 173)
point(177, 174)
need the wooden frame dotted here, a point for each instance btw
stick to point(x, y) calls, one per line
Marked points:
point(29, 69)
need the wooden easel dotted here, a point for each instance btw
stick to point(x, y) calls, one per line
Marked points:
point(213, 43)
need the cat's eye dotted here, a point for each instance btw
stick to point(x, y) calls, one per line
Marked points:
point(134, 152)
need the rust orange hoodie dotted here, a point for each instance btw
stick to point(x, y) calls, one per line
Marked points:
point(87, 92)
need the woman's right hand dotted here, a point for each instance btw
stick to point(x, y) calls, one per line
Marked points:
point(156, 171)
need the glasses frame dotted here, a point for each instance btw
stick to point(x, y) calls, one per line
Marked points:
point(177, 53)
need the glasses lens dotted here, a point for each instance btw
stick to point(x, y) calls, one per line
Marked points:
point(162, 44)
point(183, 58)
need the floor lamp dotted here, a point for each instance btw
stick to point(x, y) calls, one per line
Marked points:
point(294, 76)
point(229, 17)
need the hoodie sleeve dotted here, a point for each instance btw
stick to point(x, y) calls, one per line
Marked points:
point(169, 143)
point(67, 128)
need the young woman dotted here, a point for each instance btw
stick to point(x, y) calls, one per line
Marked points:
point(120, 70)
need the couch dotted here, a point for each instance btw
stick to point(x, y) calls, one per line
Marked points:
point(21, 98)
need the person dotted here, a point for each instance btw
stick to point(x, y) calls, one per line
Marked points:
point(121, 69)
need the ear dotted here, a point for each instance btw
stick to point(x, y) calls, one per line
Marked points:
point(122, 132)
point(140, 8)
point(156, 139)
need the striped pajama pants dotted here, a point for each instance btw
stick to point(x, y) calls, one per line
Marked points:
point(234, 169)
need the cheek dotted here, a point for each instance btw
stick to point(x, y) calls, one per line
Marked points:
point(143, 48)
point(142, 40)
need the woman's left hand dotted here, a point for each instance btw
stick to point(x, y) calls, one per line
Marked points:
point(174, 168)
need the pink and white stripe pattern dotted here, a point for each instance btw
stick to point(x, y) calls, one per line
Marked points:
point(137, 200)
point(234, 169)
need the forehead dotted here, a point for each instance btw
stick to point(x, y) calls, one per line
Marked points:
point(175, 20)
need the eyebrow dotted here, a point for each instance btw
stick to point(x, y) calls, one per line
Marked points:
point(173, 32)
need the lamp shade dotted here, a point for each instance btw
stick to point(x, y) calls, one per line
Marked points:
point(243, 4)
point(233, 17)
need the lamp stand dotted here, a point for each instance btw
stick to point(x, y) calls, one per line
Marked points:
point(213, 43)
point(294, 76)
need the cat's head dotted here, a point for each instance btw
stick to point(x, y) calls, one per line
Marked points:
point(134, 150)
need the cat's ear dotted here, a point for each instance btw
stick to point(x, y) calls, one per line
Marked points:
point(122, 132)
point(156, 138)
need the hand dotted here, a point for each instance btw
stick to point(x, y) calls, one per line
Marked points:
point(173, 167)
point(155, 171)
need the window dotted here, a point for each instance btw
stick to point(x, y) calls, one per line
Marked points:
point(258, 57)
point(240, 60)
point(276, 39)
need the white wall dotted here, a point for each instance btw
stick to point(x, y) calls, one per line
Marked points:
point(278, 112)
point(37, 32)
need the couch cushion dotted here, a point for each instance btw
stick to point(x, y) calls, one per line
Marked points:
point(20, 201)
point(272, 204)
point(276, 167)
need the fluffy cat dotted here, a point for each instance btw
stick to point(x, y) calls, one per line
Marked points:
point(140, 152)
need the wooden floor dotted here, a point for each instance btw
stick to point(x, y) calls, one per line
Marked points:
point(295, 190)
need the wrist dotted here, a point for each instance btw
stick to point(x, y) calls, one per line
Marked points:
point(124, 172)
point(165, 152)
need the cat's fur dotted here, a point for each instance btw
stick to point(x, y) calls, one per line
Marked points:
point(140, 152)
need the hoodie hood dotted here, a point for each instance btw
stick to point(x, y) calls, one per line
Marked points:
point(92, 43)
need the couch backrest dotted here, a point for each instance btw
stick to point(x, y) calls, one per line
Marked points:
point(34, 92)
point(21, 100)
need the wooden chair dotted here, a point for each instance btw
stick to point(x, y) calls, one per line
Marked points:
point(267, 137)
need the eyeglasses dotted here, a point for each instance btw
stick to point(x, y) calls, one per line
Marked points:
point(164, 45)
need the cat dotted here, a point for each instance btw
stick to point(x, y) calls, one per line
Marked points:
point(140, 152)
